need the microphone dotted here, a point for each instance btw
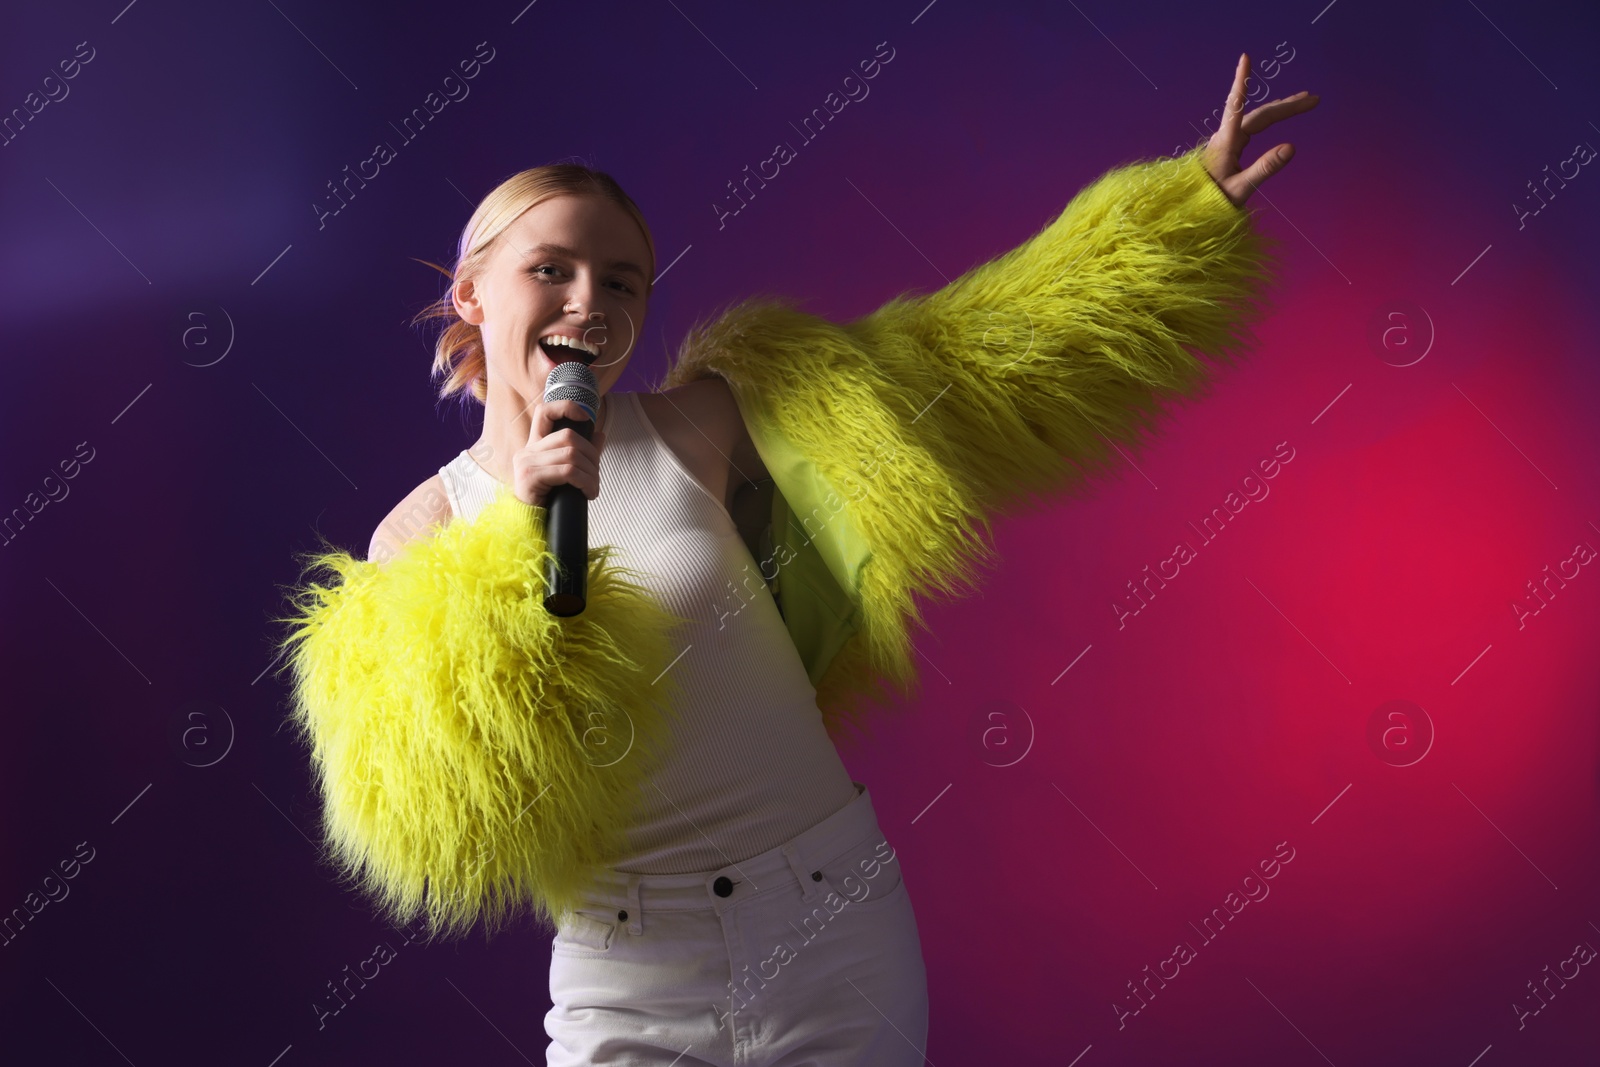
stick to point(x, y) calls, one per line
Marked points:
point(567, 509)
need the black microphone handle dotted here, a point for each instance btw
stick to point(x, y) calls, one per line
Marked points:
point(566, 533)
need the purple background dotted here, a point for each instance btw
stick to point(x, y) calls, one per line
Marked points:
point(141, 214)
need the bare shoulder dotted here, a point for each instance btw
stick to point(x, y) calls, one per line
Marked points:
point(705, 419)
point(423, 508)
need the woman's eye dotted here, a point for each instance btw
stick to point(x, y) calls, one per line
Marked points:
point(625, 287)
point(543, 267)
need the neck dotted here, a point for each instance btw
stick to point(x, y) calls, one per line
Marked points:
point(507, 423)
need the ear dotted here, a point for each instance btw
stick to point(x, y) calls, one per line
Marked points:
point(464, 295)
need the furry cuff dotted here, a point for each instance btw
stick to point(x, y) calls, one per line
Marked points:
point(474, 754)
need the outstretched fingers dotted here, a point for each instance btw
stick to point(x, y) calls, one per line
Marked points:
point(1234, 108)
point(1227, 145)
point(1278, 110)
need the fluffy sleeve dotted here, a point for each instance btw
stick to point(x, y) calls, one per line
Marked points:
point(475, 756)
point(921, 420)
point(1020, 374)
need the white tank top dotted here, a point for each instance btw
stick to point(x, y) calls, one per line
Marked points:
point(750, 765)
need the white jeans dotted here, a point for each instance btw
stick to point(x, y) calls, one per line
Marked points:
point(806, 954)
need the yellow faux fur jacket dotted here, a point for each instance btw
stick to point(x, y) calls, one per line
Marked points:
point(477, 757)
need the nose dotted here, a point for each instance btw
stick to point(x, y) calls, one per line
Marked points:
point(583, 297)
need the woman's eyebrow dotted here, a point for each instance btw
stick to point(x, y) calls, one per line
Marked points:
point(563, 250)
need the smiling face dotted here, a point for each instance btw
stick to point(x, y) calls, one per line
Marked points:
point(567, 280)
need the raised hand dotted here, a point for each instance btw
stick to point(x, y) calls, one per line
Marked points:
point(1233, 133)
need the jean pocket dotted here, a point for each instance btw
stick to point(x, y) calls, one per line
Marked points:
point(583, 935)
point(867, 875)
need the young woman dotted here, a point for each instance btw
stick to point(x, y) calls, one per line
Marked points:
point(655, 776)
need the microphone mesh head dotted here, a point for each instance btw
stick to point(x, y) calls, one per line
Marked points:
point(574, 381)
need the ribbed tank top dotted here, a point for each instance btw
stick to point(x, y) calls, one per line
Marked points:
point(750, 765)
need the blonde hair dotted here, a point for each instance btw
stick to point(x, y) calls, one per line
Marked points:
point(458, 355)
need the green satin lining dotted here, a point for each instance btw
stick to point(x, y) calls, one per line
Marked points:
point(817, 550)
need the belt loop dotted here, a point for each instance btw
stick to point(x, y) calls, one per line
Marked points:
point(801, 875)
point(635, 913)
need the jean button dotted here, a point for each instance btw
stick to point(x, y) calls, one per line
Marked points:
point(723, 886)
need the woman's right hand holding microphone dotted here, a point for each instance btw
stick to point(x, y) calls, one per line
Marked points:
point(564, 457)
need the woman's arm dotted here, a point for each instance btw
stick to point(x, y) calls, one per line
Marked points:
point(1020, 374)
point(424, 508)
point(893, 439)
point(1015, 378)
point(474, 754)
point(1071, 341)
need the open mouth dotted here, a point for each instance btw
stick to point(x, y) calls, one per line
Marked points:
point(559, 348)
